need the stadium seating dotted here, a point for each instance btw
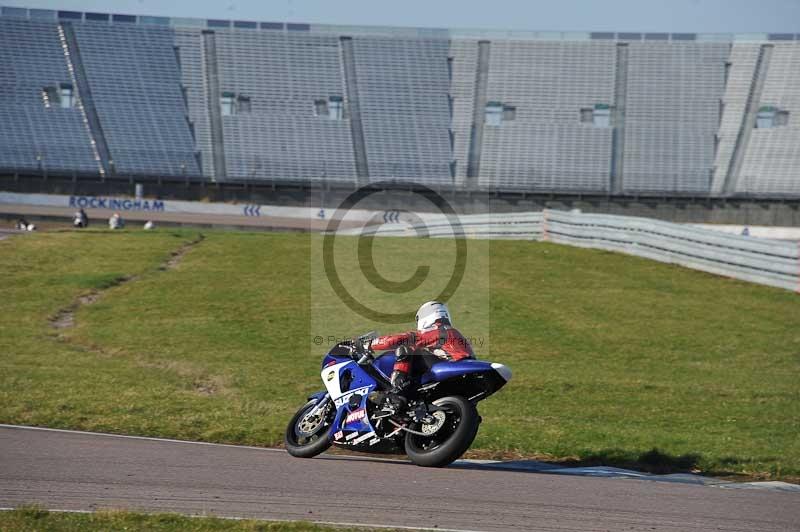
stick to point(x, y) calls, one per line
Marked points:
point(462, 91)
point(189, 44)
point(742, 59)
point(279, 136)
point(135, 83)
point(601, 113)
point(772, 162)
point(546, 145)
point(402, 87)
point(36, 132)
point(672, 115)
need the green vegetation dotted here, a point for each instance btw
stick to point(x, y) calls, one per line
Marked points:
point(617, 360)
point(29, 519)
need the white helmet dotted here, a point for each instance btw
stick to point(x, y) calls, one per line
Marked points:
point(429, 313)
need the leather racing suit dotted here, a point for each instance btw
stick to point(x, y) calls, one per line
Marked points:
point(440, 343)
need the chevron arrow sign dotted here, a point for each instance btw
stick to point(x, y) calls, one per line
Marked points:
point(252, 210)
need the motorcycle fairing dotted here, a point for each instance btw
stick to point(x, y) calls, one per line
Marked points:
point(351, 426)
point(385, 363)
point(449, 370)
point(446, 370)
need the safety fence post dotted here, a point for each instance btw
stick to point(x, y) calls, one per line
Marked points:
point(545, 235)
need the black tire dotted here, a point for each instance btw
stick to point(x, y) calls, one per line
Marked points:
point(304, 445)
point(450, 441)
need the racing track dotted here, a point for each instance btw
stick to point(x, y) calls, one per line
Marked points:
point(83, 471)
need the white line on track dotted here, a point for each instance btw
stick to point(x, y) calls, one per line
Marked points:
point(147, 438)
point(206, 443)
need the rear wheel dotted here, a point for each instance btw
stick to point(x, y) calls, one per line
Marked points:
point(307, 432)
point(448, 434)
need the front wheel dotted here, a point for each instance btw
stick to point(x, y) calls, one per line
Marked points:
point(451, 432)
point(307, 432)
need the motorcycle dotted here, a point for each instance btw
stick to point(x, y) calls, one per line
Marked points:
point(436, 425)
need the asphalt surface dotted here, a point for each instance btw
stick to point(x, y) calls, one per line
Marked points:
point(80, 471)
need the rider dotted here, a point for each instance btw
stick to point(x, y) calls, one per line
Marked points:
point(81, 219)
point(435, 340)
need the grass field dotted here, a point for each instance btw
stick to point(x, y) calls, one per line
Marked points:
point(30, 519)
point(617, 360)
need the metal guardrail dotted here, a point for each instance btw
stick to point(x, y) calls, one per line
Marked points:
point(769, 262)
point(763, 261)
point(519, 226)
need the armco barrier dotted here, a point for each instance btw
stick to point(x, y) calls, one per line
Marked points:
point(512, 226)
point(769, 262)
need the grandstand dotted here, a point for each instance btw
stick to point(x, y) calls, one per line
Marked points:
point(111, 96)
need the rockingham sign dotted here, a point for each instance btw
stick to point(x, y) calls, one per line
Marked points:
point(123, 204)
point(116, 204)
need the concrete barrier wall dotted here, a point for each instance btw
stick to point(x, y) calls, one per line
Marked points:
point(126, 205)
point(769, 262)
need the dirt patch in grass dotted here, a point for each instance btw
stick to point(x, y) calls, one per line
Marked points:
point(65, 318)
point(202, 383)
point(177, 255)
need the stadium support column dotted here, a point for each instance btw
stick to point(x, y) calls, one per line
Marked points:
point(478, 112)
point(212, 100)
point(749, 120)
point(354, 109)
point(616, 185)
point(80, 81)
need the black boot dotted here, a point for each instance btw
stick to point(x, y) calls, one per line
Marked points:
point(400, 381)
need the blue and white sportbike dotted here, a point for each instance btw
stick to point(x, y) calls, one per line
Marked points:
point(435, 427)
